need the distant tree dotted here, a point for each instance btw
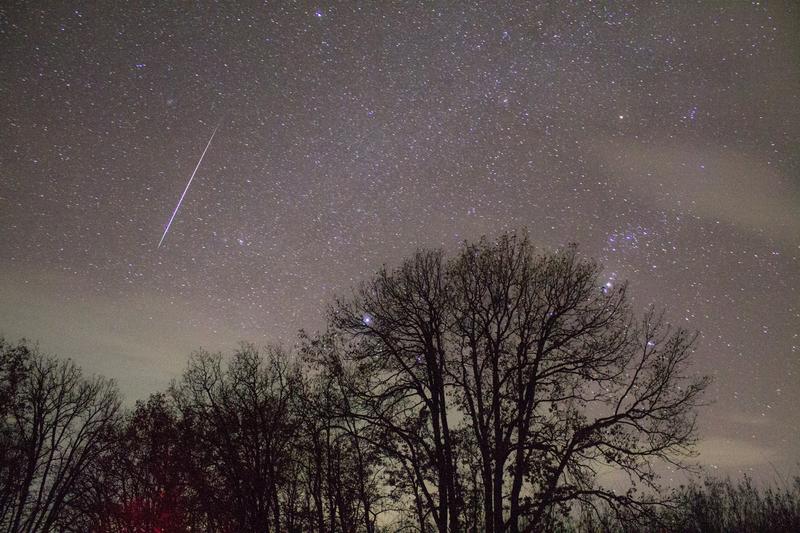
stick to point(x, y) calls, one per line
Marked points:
point(55, 426)
point(14, 365)
point(342, 466)
point(712, 506)
point(527, 364)
point(239, 436)
point(139, 484)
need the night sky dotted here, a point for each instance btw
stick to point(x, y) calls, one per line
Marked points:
point(661, 137)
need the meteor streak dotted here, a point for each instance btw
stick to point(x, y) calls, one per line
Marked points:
point(180, 201)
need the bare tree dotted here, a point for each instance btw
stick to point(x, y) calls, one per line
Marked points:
point(14, 365)
point(346, 476)
point(558, 378)
point(480, 393)
point(399, 321)
point(56, 424)
point(545, 371)
point(239, 433)
point(139, 484)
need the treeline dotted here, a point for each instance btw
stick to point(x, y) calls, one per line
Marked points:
point(246, 444)
point(481, 392)
point(715, 506)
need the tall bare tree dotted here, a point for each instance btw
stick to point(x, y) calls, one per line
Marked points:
point(399, 320)
point(544, 372)
point(558, 378)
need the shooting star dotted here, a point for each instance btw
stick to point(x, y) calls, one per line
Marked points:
point(180, 201)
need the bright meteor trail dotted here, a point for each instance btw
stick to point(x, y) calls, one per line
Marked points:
point(180, 201)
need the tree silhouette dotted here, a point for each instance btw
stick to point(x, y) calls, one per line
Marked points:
point(55, 426)
point(713, 506)
point(238, 431)
point(342, 466)
point(547, 374)
point(481, 392)
point(14, 365)
point(140, 483)
point(399, 322)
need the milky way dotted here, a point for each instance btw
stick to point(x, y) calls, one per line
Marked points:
point(661, 137)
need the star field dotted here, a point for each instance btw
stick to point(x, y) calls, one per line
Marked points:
point(662, 137)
